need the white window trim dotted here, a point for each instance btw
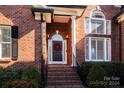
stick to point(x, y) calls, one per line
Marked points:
point(90, 30)
point(109, 48)
point(109, 32)
point(85, 30)
point(99, 20)
point(7, 58)
point(109, 52)
point(97, 10)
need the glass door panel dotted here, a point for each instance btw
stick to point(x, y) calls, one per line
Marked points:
point(57, 51)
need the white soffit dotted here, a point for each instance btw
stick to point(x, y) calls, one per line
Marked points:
point(63, 10)
point(67, 11)
point(62, 14)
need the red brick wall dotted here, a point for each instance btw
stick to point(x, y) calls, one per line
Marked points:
point(29, 41)
point(110, 12)
point(122, 40)
point(30, 33)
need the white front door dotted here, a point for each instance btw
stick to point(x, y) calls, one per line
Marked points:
point(57, 52)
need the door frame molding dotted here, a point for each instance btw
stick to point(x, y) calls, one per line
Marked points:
point(64, 49)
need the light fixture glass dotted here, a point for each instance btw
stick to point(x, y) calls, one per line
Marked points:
point(37, 16)
point(66, 36)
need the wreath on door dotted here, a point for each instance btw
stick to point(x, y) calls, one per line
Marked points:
point(57, 46)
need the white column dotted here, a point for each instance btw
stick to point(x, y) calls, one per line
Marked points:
point(43, 29)
point(73, 41)
point(0, 45)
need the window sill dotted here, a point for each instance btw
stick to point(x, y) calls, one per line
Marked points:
point(97, 60)
point(98, 34)
point(5, 60)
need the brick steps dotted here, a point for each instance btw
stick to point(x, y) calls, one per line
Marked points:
point(62, 76)
point(66, 86)
point(64, 82)
point(61, 70)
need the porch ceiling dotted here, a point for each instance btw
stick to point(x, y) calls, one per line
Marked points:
point(61, 19)
point(57, 13)
point(75, 10)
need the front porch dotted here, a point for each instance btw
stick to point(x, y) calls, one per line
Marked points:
point(60, 41)
point(58, 26)
point(58, 33)
point(59, 45)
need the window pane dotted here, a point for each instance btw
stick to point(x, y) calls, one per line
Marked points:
point(107, 49)
point(108, 54)
point(93, 49)
point(5, 50)
point(57, 51)
point(100, 27)
point(87, 48)
point(108, 27)
point(86, 24)
point(93, 26)
point(5, 34)
point(97, 26)
point(100, 50)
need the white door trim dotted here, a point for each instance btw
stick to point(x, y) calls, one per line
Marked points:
point(64, 55)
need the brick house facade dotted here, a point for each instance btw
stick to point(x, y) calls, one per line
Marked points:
point(28, 34)
point(38, 27)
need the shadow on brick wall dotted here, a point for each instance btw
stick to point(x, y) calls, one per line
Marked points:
point(22, 17)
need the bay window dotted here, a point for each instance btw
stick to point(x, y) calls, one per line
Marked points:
point(5, 42)
point(97, 45)
point(97, 49)
point(97, 25)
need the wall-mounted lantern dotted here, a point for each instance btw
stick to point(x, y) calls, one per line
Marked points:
point(67, 37)
point(48, 36)
point(37, 16)
point(47, 17)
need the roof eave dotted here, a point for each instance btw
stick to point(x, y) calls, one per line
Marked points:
point(69, 6)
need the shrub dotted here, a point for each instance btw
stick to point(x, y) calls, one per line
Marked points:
point(29, 73)
point(11, 75)
point(112, 69)
point(95, 77)
point(121, 74)
point(8, 75)
point(83, 70)
point(18, 77)
point(20, 84)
